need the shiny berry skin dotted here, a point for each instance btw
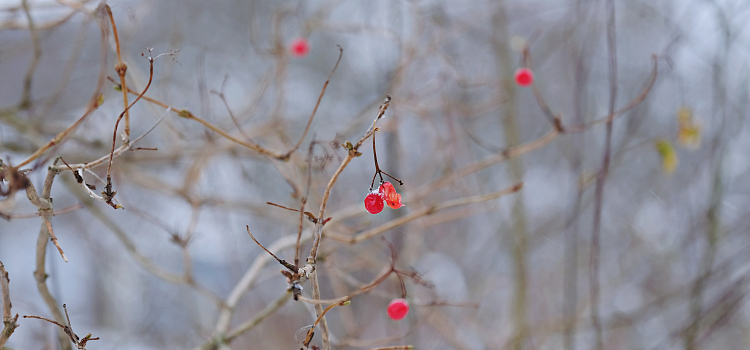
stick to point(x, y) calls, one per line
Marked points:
point(390, 196)
point(397, 309)
point(299, 47)
point(374, 203)
point(524, 76)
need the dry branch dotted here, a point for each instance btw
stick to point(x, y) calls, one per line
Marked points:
point(9, 321)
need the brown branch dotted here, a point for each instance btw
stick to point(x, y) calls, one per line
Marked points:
point(44, 203)
point(53, 237)
point(353, 152)
point(121, 68)
point(281, 261)
point(310, 331)
point(80, 343)
point(9, 321)
point(309, 215)
point(108, 194)
point(120, 150)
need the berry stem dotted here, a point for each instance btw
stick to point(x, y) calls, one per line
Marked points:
point(379, 172)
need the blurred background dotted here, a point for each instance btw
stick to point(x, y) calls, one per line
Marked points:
point(670, 259)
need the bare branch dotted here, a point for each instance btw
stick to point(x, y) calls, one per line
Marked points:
point(80, 343)
point(9, 321)
point(281, 261)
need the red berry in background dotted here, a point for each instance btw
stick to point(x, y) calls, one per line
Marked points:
point(300, 47)
point(374, 203)
point(397, 309)
point(390, 196)
point(524, 76)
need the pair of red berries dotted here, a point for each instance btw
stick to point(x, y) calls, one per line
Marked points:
point(385, 193)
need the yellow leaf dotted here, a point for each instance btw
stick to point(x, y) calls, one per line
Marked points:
point(668, 155)
point(689, 132)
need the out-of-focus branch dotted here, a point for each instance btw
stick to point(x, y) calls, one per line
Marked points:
point(594, 256)
point(93, 105)
point(252, 273)
point(530, 146)
point(249, 144)
point(428, 210)
point(27, 81)
point(269, 310)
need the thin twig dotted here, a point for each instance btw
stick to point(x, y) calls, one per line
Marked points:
point(229, 110)
point(121, 68)
point(320, 98)
point(53, 237)
point(311, 332)
point(108, 194)
point(281, 261)
point(123, 148)
point(80, 343)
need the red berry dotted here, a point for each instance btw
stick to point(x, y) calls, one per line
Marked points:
point(398, 308)
point(390, 196)
point(300, 47)
point(524, 76)
point(374, 203)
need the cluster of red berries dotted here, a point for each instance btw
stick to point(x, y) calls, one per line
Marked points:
point(386, 192)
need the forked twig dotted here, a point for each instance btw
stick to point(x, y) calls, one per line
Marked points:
point(80, 343)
